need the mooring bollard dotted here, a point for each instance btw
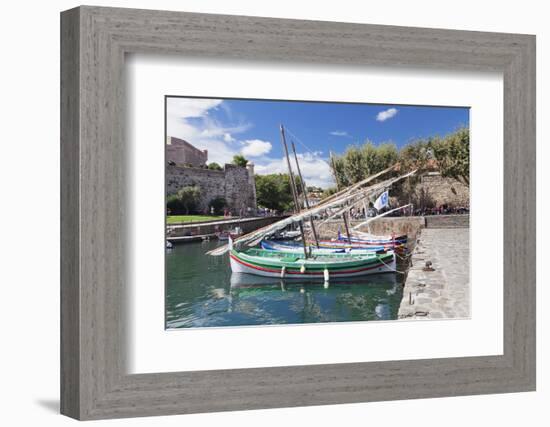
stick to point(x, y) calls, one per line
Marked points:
point(428, 266)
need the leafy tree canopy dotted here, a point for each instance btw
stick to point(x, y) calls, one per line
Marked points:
point(239, 160)
point(328, 192)
point(450, 155)
point(214, 166)
point(273, 191)
point(189, 198)
point(218, 204)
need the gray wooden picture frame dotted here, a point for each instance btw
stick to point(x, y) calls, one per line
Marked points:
point(94, 381)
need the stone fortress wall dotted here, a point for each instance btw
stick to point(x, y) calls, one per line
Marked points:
point(181, 152)
point(186, 166)
point(234, 183)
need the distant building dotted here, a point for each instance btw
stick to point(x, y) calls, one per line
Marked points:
point(181, 152)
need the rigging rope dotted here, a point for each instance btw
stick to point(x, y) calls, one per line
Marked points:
point(313, 153)
point(393, 269)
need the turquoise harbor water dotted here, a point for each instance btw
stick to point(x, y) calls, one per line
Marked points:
point(201, 291)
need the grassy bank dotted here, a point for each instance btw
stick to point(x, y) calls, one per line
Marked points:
point(173, 219)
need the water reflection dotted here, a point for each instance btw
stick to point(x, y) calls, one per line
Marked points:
point(201, 291)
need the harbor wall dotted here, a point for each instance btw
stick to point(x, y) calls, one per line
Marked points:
point(387, 225)
point(447, 221)
point(211, 227)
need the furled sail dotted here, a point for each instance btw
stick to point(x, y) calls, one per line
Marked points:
point(348, 196)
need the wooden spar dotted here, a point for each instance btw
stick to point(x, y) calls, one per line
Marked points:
point(355, 186)
point(346, 225)
point(315, 210)
point(304, 191)
point(344, 197)
point(344, 209)
point(380, 216)
point(293, 187)
point(344, 214)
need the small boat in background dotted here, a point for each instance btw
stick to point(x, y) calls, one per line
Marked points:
point(296, 247)
point(373, 239)
point(354, 245)
point(290, 234)
point(225, 235)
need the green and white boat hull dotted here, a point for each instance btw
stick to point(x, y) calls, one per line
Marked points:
point(270, 263)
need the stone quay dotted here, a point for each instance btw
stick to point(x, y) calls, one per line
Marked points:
point(437, 285)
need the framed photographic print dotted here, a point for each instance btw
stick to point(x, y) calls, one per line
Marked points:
point(262, 213)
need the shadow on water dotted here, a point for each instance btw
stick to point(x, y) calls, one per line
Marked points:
point(201, 291)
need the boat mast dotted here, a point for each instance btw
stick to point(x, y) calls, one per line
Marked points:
point(304, 190)
point(293, 187)
point(344, 214)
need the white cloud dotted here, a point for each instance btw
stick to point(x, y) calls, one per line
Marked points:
point(190, 107)
point(315, 170)
point(386, 114)
point(189, 119)
point(339, 133)
point(255, 148)
point(228, 138)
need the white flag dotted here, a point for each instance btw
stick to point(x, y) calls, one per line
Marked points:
point(382, 201)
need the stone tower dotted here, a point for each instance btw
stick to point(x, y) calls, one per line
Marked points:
point(252, 183)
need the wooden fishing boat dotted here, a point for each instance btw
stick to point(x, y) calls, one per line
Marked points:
point(350, 196)
point(297, 247)
point(225, 235)
point(270, 263)
point(373, 239)
point(345, 244)
point(378, 240)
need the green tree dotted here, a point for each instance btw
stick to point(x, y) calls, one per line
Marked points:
point(354, 167)
point(417, 155)
point(328, 192)
point(173, 205)
point(339, 171)
point(369, 159)
point(273, 191)
point(239, 160)
point(386, 156)
point(214, 166)
point(452, 155)
point(189, 197)
point(218, 203)
point(360, 162)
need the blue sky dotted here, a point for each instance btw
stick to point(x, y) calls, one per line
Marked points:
point(251, 127)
